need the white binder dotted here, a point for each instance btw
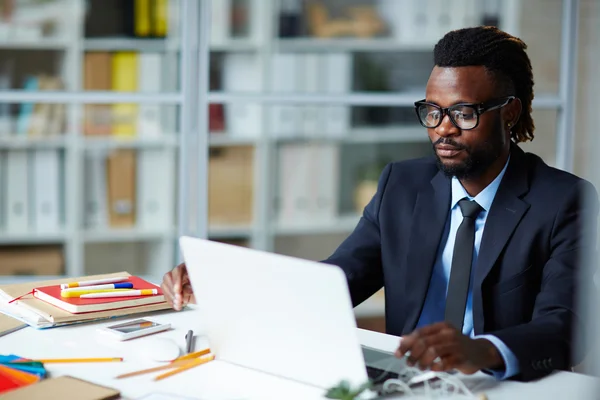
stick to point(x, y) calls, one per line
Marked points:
point(284, 119)
point(17, 193)
point(242, 73)
point(326, 176)
point(95, 212)
point(220, 22)
point(149, 81)
point(337, 72)
point(46, 190)
point(310, 79)
point(155, 189)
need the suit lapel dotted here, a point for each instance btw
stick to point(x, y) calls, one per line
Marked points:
point(428, 221)
point(504, 216)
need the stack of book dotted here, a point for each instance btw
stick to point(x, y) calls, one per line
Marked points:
point(63, 302)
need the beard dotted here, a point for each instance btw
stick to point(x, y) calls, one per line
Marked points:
point(479, 158)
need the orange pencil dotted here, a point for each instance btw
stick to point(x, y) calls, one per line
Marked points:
point(191, 364)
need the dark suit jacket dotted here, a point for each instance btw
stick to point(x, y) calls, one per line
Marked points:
point(526, 273)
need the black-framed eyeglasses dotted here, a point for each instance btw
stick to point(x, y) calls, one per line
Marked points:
point(464, 116)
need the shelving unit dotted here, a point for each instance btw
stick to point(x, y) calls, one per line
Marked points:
point(188, 54)
point(66, 59)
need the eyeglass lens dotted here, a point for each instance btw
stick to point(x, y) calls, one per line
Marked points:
point(464, 117)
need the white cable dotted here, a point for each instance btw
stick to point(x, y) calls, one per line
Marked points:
point(448, 385)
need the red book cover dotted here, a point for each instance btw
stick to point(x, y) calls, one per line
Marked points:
point(76, 305)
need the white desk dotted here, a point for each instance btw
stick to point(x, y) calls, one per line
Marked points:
point(219, 380)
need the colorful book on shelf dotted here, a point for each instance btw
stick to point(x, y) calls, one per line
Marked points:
point(18, 301)
point(76, 305)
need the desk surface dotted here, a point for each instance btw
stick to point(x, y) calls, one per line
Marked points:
point(219, 380)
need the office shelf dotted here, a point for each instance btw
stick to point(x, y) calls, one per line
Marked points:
point(223, 139)
point(15, 142)
point(127, 44)
point(42, 44)
point(125, 235)
point(129, 143)
point(235, 46)
point(348, 45)
point(229, 231)
point(31, 238)
point(342, 224)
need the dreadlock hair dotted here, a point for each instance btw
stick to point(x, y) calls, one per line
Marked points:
point(503, 57)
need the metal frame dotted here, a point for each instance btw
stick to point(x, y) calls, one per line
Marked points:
point(354, 99)
point(565, 135)
point(187, 67)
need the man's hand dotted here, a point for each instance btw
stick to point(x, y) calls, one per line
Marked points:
point(441, 347)
point(177, 288)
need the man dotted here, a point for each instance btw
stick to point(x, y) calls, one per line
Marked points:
point(477, 247)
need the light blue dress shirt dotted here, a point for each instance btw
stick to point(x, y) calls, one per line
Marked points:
point(435, 302)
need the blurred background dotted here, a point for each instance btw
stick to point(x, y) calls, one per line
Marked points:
point(125, 123)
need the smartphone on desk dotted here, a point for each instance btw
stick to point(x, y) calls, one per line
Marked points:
point(134, 329)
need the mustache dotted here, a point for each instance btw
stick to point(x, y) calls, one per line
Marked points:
point(449, 142)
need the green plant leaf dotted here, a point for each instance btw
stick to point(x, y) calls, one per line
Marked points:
point(343, 391)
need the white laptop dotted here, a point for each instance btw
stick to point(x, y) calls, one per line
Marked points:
point(278, 314)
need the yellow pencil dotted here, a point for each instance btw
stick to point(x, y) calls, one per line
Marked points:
point(195, 354)
point(191, 364)
point(77, 360)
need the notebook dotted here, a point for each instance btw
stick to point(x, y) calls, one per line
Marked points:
point(76, 305)
point(9, 324)
point(63, 387)
point(39, 314)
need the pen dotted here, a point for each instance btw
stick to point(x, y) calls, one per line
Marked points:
point(82, 292)
point(188, 337)
point(94, 282)
point(128, 293)
point(125, 285)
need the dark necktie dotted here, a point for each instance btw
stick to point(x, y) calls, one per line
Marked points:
point(460, 273)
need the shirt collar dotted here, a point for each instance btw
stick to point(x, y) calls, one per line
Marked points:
point(484, 198)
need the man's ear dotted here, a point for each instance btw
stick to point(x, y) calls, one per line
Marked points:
point(512, 112)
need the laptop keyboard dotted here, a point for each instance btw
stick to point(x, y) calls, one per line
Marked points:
point(379, 375)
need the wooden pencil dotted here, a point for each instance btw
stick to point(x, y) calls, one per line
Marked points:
point(192, 364)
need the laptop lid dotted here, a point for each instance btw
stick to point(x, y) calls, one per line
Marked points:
point(278, 314)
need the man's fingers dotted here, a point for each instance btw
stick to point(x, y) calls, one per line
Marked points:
point(166, 289)
point(187, 294)
point(442, 347)
point(405, 344)
point(417, 351)
point(448, 363)
point(166, 286)
point(427, 358)
point(180, 278)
